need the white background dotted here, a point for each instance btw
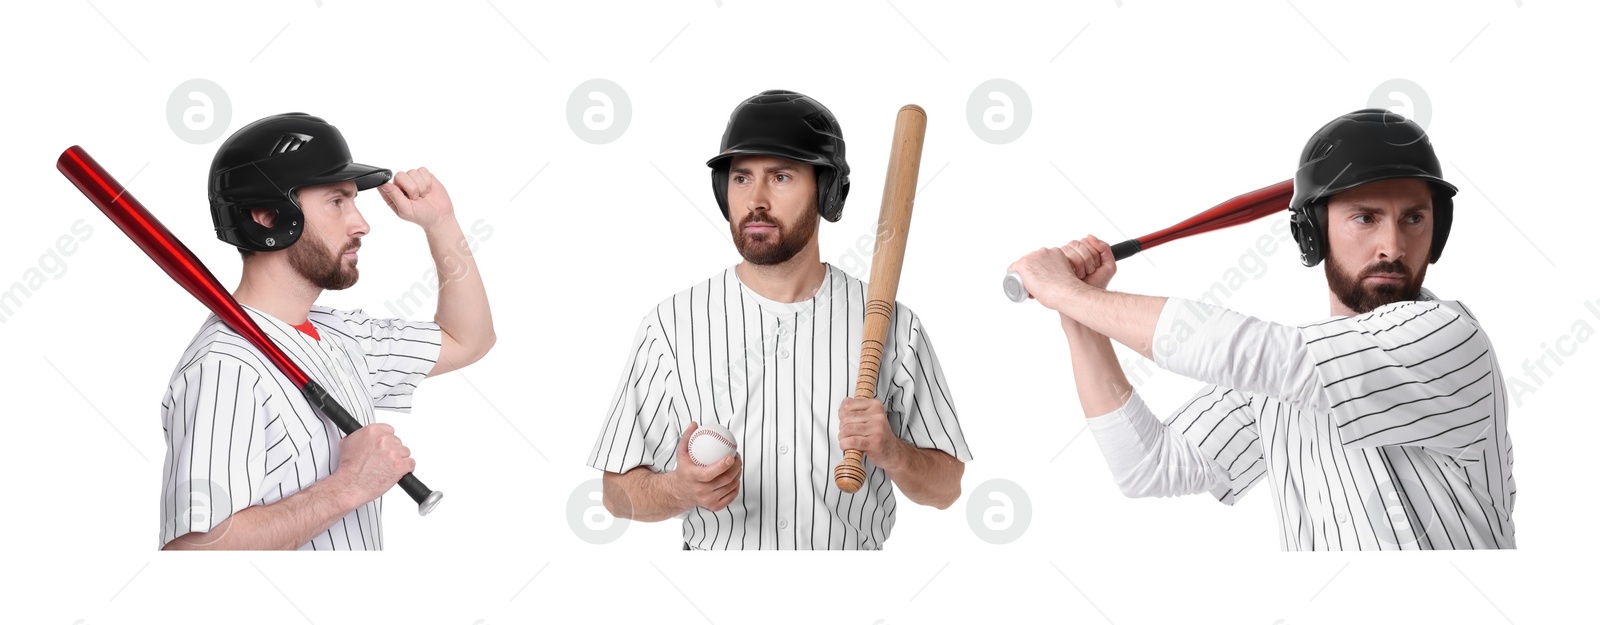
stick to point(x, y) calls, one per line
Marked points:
point(1142, 113)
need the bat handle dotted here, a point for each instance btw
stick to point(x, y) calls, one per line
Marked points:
point(426, 498)
point(850, 473)
point(1126, 248)
point(1016, 292)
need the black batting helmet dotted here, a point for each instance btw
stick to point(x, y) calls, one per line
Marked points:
point(1355, 149)
point(787, 125)
point(264, 163)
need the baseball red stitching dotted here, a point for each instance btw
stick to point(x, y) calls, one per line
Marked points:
point(716, 435)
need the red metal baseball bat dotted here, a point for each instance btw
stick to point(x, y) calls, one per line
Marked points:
point(181, 264)
point(1242, 209)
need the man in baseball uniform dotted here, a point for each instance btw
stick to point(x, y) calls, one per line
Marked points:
point(769, 349)
point(1382, 427)
point(249, 464)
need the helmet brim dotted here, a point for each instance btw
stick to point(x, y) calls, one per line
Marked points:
point(365, 176)
point(770, 150)
point(1390, 173)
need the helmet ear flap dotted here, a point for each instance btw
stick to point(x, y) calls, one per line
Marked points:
point(719, 187)
point(844, 191)
point(831, 193)
point(236, 224)
point(1443, 214)
point(1305, 226)
point(283, 232)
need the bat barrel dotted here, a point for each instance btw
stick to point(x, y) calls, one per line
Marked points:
point(899, 193)
point(1244, 208)
point(167, 251)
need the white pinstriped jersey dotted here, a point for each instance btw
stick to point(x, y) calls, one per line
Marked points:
point(775, 373)
point(239, 434)
point(1414, 453)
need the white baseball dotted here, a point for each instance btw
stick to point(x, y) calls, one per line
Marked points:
point(710, 443)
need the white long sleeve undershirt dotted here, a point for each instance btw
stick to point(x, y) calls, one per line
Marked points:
point(1148, 459)
point(1216, 345)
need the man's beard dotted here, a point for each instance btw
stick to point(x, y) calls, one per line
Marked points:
point(1362, 298)
point(319, 266)
point(775, 248)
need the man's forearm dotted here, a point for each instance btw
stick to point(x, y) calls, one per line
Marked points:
point(1124, 317)
point(929, 477)
point(1102, 385)
point(463, 307)
point(641, 495)
point(284, 525)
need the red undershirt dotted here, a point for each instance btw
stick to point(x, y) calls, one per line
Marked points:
point(309, 330)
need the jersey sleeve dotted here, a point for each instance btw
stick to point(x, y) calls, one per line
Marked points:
point(641, 426)
point(215, 423)
point(1414, 373)
point(917, 397)
point(399, 354)
point(1222, 424)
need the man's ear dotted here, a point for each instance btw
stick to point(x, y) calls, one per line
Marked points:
point(264, 216)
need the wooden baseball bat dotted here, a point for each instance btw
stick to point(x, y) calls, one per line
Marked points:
point(186, 269)
point(888, 253)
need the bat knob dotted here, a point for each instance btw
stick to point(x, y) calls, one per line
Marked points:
point(427, 504)
point(1014, 288)
point(851, 472)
